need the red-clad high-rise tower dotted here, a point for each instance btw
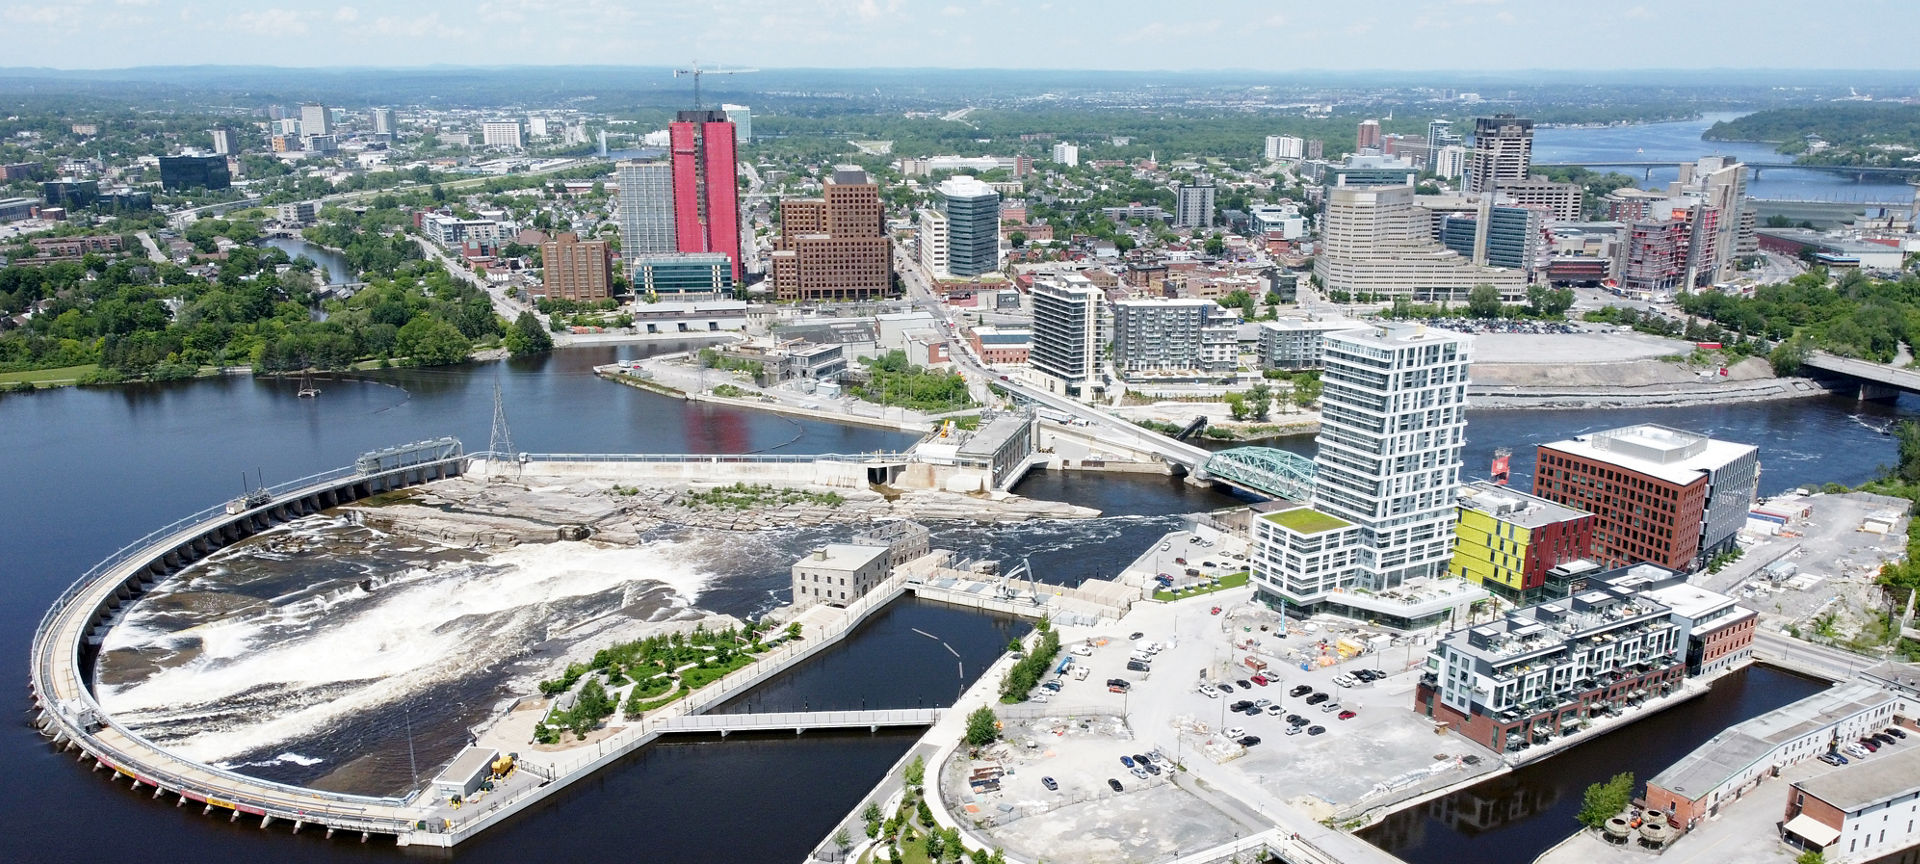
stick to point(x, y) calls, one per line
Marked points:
point(706, 192)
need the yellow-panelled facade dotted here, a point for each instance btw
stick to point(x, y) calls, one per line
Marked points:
point(1490, 552)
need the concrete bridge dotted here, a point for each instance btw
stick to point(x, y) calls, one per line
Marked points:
point(1860, 172)
point(801, 721)
point(1874, 380)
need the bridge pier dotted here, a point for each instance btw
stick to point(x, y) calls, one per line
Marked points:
point(1872, 392)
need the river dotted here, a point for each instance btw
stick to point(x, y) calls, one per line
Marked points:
point(91, 468)
point(1680, 141)
point(333, 263)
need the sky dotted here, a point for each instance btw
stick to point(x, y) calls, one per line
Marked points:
point(1275, 35)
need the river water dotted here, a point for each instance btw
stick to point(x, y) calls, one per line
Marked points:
point(90, 469)
point(333, 263)
point(1680, 141)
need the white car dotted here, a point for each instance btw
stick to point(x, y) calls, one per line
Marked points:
point(1295, 730)
point(1234, 732)
point(1083, 650)
point(1209, 691)
point(1275, 711)
point(1262, 703)
point(1331, 707)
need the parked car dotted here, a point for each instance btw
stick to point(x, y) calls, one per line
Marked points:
point(1331, 707)
point(1234, 732)
point(1300, 691)
point(1244, 684)
point(1884, 738)
point(1048, 782)
point(1249, 740)
point(1140, 772)
point(1275, 711)
point(1115, 784)
point(1296, 720)
point(1127, 761)
point(1216, 610)
point(1224, 687)
point(1896, 732)
point(1293, 730)
point(1261, 680)
point(1209, 691)
point(1348, 715)
point(1317, 698)
point(1136, 666)
point(1252, 711)
point(1239, 706)
point(1262, 703)
point(1870, 744)
point(1316, 730)
point(1830, 759)
point(1136, 637)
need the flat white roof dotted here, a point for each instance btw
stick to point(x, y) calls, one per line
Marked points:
point(1688, 601)
point(1656, 451)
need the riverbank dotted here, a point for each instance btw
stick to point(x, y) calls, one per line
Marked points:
point(1637, 383)
point(672, 375)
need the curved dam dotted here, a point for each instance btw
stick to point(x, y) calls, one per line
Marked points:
point(69, 637)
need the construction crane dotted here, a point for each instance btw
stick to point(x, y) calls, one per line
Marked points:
point(696, 72)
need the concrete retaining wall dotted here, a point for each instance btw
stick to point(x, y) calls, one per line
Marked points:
point(840, 475)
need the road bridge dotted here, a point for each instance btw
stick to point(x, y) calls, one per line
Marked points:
point(801, 721)
point(1860, 172)
point(1875, 380)
point(1265, 470)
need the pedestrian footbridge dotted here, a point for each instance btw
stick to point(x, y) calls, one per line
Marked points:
point(801, 721)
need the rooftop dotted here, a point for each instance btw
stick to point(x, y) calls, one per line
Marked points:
point(1512, 505)
point(1854, 787)
point(1734, 750)
point(842, 556)
point(988, 440)
point(1673, 455)
point(1306, 520)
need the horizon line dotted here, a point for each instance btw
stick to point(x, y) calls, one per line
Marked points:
point(1772, 71)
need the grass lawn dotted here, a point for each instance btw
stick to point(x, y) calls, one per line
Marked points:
point(49, 377)
point(1231, 580)
point(1306, 520)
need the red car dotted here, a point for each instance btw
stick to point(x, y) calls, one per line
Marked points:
point(1216, 610)
point(1347, 715)
point(1260, 680)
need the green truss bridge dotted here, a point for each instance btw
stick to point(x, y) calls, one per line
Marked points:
point(1276, 473)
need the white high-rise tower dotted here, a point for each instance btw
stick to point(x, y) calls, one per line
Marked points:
point(1375, 541)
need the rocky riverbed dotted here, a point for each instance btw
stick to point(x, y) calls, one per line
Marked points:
point(474, 512)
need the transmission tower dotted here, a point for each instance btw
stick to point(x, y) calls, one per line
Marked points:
point(500, 441)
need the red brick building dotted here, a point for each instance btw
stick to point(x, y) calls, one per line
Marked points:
point(577, 269)
point(1661, 495)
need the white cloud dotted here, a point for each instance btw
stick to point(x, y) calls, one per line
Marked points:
point(1505, 17)
point(269, 22)
point(1639, 13)
point(413, 27)
point(346, 15)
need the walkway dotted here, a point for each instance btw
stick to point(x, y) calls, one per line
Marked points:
point(800, 721)
point(1833, 664)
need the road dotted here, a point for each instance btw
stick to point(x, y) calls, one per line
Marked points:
point(503, 305)
point(1832, 662)
point(153, 249)
point(971, 366)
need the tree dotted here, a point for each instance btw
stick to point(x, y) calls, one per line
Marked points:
point(528, 337)
point(1603, 801)
point(1237, 405)
point(871, 814)
point(1787, 357)
point(430, 341)
point(842, 839)
point(1017, 239)
point(1484, 301)
point(1124, 242)
point(982, 727)
point(915, 772)
point(1259, 400)
point(1811, 856)
point(1214, 246)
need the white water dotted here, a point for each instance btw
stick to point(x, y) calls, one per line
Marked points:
point(260, 680)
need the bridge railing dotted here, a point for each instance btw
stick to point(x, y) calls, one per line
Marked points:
point(682, 458)
point(338, 807)
point(785, 719)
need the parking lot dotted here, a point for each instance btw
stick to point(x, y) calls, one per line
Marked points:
point(1082, 819)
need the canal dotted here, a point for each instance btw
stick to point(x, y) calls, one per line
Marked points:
point(1517, 816)
point(89, 469)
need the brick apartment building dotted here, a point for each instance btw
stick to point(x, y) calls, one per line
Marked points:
point(577, 269)
point(834, 247)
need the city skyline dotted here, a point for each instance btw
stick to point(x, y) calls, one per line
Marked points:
point(1397, 35)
